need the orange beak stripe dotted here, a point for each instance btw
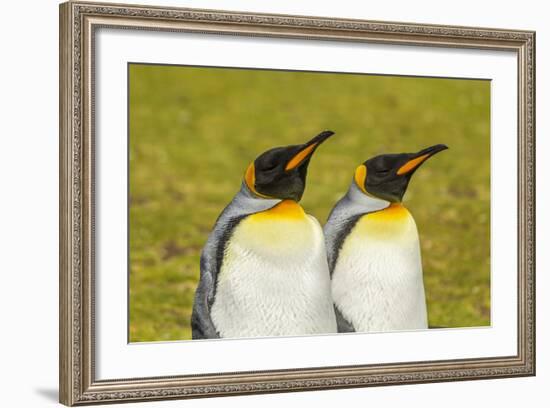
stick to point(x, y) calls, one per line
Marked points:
point(300, 157)
point(412, 164)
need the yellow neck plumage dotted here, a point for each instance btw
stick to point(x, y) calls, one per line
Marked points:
point(286, 209)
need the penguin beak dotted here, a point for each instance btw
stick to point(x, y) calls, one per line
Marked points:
point(418, 158)
point(306, 150)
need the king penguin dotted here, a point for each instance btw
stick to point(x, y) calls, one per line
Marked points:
point(373, 249)
point(263, 270)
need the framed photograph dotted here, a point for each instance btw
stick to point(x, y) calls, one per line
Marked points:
point(256, 203)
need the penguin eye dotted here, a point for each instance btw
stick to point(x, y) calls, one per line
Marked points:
point(269, 167)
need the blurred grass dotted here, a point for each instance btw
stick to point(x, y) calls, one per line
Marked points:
point(193, 131)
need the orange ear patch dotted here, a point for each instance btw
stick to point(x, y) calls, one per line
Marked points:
point(250, 177)
point(250, 180)
point(360, 177)
point(300, 157)
point(412, 164)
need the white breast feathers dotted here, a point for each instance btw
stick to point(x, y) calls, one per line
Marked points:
point(274, 279)
point(377, 282)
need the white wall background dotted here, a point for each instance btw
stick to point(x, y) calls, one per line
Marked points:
point(29, 189)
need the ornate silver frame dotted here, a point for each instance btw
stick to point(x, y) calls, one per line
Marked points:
point(78, 22)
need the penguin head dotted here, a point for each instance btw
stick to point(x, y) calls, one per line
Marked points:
point(387, 176)
point(281, 172)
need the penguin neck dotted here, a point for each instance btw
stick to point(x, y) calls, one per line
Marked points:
point(249, 202)
point(370, 203)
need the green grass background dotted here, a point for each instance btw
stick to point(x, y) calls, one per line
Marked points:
point(193, 131)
